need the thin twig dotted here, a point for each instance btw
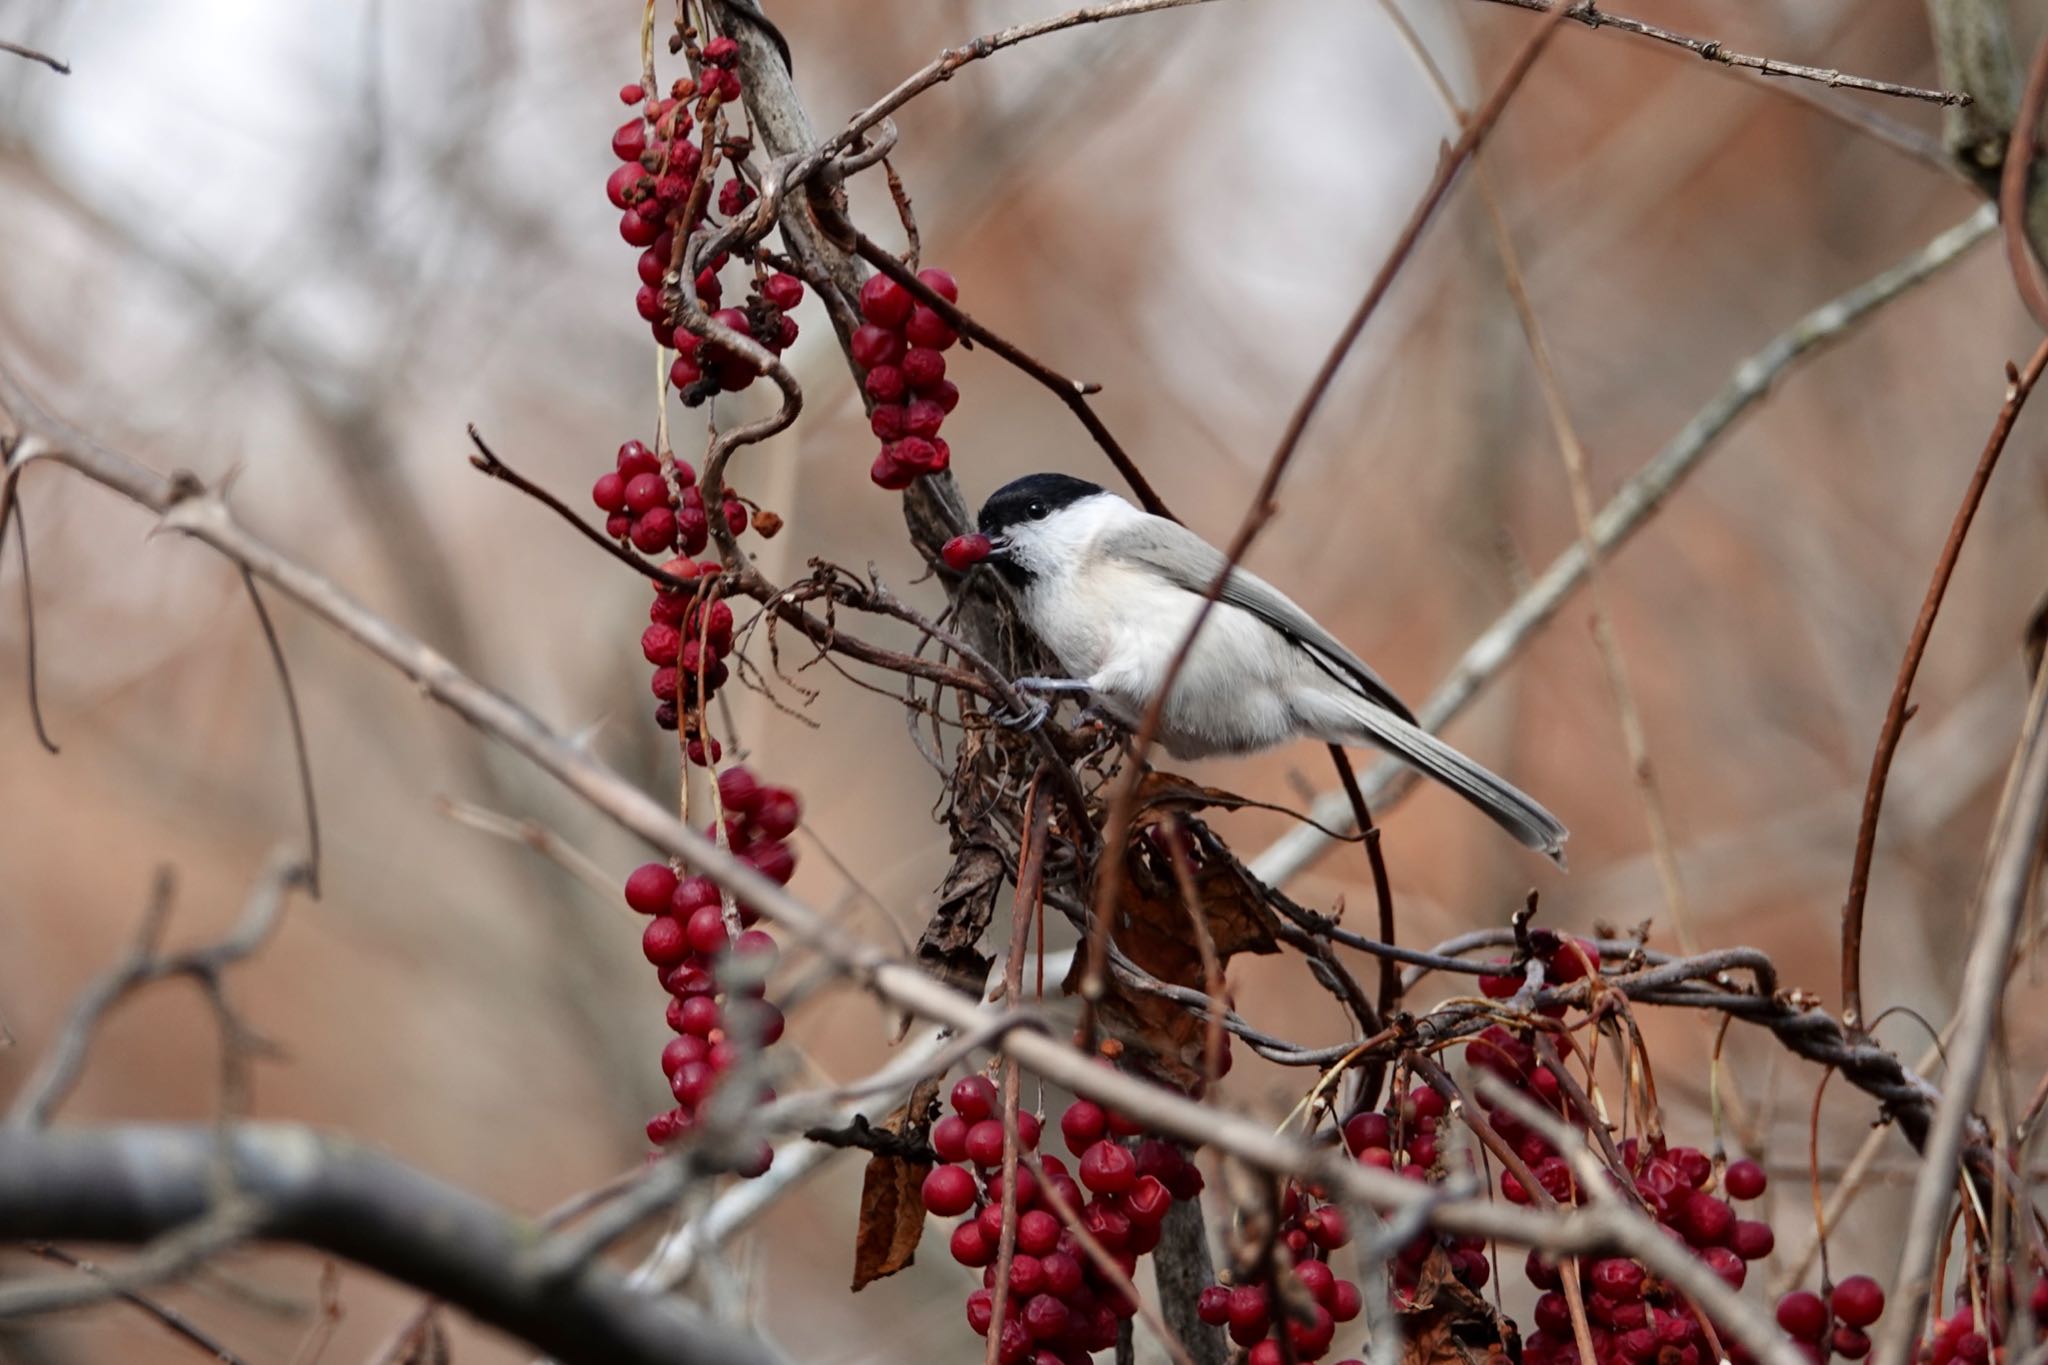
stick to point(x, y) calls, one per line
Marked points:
point(299, 750)
point(1382, 885)
point(28, 620)
point(61, 68)
point(170, 1317)
point(2019, 384)
point(1713, 51)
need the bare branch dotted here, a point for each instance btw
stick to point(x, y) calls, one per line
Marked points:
point(61, 68)
point(1712, 50)
point(298, 724)
point(138, 1183)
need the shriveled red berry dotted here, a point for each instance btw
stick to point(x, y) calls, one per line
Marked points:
point(1213, 1307)
point(721, 51)
point(783, 291)
point(885, 384)
point(872, 345)
point(1744, 1180)
point(1858, 1301)
point(891, 473)
point(1107, 1168)
point(923, 367)
point(948, 1190)
point(1851, 1344)
point(923, 418)
point(654, 530)
point(1038, 1233)
point(629, 140)
point(887, 421)
point(884, 302)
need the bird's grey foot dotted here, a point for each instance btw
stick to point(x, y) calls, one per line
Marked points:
point(1034, 714)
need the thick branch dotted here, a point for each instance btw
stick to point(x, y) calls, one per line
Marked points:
point(140, 1183)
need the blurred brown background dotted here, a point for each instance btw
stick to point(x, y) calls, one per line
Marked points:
point(309, 243)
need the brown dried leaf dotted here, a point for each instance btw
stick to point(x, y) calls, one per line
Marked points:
point(891, 1206)
point(1445, 1323)
point(1154, 929)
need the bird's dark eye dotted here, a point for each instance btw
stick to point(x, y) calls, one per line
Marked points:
point(1038, 511)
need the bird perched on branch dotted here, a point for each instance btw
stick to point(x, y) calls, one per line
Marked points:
point(1113, 591)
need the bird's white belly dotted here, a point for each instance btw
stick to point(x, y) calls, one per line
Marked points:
point(1229, 697)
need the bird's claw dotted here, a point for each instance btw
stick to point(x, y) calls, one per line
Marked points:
point(1025, 721)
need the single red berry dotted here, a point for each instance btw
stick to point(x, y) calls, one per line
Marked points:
point(1704, 1220)
point(887, 420)
point(693, 530)
point(971, 1247)
point(1038, 1232)
point(636, 230)
point(783, 291)
point(1803, 1316)
point(1332, 1229)
point(687, 1048)
point(778, 813)
point(1426, 1103)
point(985, 1143)
point(872, 346)
point(923, 367)
point(701, 1016)
point(691, 894)
point(1082, 1125)
point(629, 140)
point(609, 492)
point(1147, 1200)
point(622, 184)
point(733, 196)
point(645, 492)
point(1107, 1168)
point(1027, 1275)
point(735, 516)
point(974, 1098)
point(945, 393)
point(1752, 1240)
point(981, 1311)
point(884, 302)
point(923, 418)
point(1213, 1307)
point(649, 887)
point(774, 860)
point(1727, 1265)
point(658, 645)
point(948, 1190)
point(1858, 1301)
point(940, 282)
point(739, 790)
point(1264, 1353)
point(885, 384)
point(654, 531)
point(891, 473)
point(721, 51)
point(1045, 1318)
point(914, 452)
point(1744, 1180)
point(1852, 1344)
point(1345, 1302)
point(1248, 1308)
point(663, 942)
point(927, 328)
point(684, 371)
point(962, 553)
point(706, 930)
point(1063, 1274)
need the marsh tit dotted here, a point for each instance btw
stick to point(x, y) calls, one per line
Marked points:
point(1113, 591)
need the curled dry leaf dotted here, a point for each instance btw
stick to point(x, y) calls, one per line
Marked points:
point(1445, 1323)
point(891, 1201)
point(1153, 927)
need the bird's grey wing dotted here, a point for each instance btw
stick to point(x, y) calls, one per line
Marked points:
point(1192, 563)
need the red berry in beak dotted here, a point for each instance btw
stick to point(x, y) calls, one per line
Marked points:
point(962, 553)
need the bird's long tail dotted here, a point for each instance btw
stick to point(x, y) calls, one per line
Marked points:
point(1502, 802)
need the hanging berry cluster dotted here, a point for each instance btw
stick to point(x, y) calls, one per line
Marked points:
point(1634, 1317)
point(900, 348)
point(1060, 1308)
point(663, 192)
point(1306, 1301)
point(715, 979)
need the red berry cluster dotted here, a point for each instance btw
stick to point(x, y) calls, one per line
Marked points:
point(663, 191)
point(1308, 1308)
point(687, 639)
point(1060, 1308)
point(1406, 1140)
point(1834, 1325)
point(901, 346)
point(1635, 1317)
point(715, 980)
point(640, 507)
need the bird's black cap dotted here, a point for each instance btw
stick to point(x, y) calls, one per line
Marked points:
point(1031, 498)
